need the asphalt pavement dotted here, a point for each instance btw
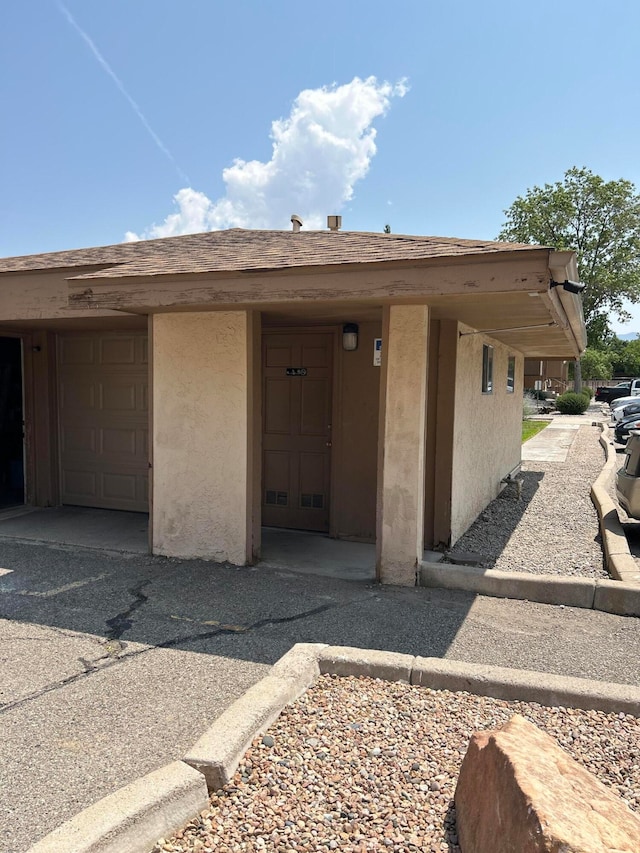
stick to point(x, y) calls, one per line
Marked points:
point(112, 665)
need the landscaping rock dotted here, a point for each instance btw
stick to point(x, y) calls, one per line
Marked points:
point(518, 790)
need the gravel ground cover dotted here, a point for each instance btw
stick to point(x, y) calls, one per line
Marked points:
point(552, 529)
point(362, 764)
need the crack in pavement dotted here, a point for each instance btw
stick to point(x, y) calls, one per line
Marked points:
point(121, 621)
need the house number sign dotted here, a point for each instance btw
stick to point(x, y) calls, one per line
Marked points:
point(296, 371)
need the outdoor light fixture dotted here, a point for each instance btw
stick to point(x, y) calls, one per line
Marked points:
point(350, 337)
point(570, 286)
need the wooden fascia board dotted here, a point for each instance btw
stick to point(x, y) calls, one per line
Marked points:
point(500, 272)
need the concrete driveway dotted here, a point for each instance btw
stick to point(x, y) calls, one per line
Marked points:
point(113, 665)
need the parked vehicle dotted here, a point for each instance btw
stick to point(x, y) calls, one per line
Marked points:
point(624, 427)
point(621, 401)
point(606, 393)
point(622, 412)
point(628, 478)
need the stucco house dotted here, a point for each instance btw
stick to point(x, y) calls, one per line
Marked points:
point(365, 386)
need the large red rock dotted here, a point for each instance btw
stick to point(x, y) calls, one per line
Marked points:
point(519, 792)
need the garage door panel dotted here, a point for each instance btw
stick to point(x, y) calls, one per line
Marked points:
point(78, 439)
point(119, 486)
point(104, 420)
point(117, 396)
point(119, 442)
point(81, 484)
point(78, 395)
point(99, 489)
point(77, 350)
point(118, 350)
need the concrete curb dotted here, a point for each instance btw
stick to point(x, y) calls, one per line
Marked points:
point(344, 660)
point(162, 802)
point(133, 818)
point(621, 598)
point(546, 589)
point(218, 752)
point(526, 686)
point(620, 564)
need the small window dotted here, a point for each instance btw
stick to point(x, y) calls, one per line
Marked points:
point(511, 374)
point(487, 369)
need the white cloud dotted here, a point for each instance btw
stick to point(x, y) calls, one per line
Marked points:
point(319, 152)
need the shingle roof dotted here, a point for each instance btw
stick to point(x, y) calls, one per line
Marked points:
point(238, 249)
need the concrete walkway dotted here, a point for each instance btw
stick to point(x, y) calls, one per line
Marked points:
point(103, 529)
point(553, 443)
point(111, 531)
point(550, 445)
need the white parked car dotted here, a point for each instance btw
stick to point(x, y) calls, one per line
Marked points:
point(621, 412)
point(620, 403)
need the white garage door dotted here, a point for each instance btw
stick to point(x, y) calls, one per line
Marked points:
point(104, 420)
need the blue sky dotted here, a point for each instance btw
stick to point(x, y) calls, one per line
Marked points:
point(498, 97)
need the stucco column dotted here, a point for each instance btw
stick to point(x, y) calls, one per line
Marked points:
point(203, 435)
point(401, 454)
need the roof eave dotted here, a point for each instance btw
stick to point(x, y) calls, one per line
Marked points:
point(563, 266)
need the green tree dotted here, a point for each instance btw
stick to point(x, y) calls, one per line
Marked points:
point(616, 349)
point(596, 365)
point(598, 219)
point(630, 362)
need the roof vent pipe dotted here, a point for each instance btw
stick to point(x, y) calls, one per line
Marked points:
point(296, 222)
point(334, 223)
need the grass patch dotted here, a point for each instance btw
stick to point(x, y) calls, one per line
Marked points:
point(531, 428)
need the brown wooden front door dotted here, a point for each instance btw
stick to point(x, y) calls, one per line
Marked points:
point(297, 374)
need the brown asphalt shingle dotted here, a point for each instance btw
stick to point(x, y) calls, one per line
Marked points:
point(238, 249)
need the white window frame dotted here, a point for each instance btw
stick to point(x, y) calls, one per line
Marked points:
point(511, 374)
point(487, 369)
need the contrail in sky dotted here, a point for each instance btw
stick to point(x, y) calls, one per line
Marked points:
point(109, 70)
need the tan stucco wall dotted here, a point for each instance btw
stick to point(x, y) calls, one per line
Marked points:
point(487, 429)
point(401, 450)
point(202, 425)
point(356, 445)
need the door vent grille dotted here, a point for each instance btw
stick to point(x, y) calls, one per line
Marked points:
point(277, 498)
point(312, 501)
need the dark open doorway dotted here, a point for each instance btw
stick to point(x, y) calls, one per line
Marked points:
point(11, 423)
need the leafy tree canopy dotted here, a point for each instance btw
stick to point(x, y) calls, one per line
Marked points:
point(625, 357)
point(596, 364)
point(598, 219)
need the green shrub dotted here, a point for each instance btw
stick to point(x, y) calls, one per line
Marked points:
point(588, 392)
point(571, 403)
